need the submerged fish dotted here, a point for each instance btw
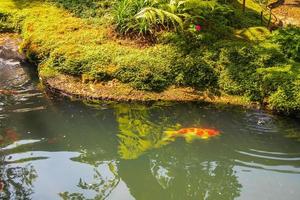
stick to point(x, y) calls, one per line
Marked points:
point(202, 132)
point(193, 133)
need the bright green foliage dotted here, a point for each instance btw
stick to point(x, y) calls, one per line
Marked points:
point(237, 63)
point(149, 69)
point(193, 70)
point(282, 87)
point(255, 34)
point(289, 40)
point(86, 8)
point(147, 17)
point(219, 57)
point(152, 16)
point(260, 73)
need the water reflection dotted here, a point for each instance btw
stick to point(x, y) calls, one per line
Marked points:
point(138, 133)
point(153, 168)
point(16, 180)
point(181, 175)
point(105, 180)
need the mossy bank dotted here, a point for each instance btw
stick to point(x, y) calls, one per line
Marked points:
point(85, 48)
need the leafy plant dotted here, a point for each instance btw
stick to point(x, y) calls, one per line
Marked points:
point(147, 17)
point(289, 40)
point(86, 8)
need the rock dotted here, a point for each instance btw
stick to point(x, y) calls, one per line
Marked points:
point(9, 51)
point(12, 74)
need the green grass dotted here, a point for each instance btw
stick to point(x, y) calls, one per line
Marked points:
point(235, 58)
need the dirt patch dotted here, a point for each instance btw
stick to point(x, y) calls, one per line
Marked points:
point(114, 90)
point(289, 12)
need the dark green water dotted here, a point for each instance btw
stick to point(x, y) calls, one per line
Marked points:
point(54, 148)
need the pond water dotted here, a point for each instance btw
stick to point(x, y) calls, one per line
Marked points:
point(54, 148)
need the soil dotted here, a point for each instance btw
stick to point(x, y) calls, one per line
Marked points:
point(116, 91)
point(289, 12)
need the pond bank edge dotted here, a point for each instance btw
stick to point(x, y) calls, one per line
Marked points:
point(73, 88)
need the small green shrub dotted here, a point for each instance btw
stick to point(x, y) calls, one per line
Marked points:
point(149, 69)
point(192, 70)
point(68, 65)
point(10, 21)
point(146, 17)
point(5, 26)
point(286, 100)
point(269, 55)
point(86, 8)
point(100, 74)
point(239, 69)
point(143, 78)
point(275, 77)
point(289, 40)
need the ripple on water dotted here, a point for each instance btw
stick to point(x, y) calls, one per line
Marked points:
point(20, 143)
point(24, 96)
point(274, 161)
point(260, 123)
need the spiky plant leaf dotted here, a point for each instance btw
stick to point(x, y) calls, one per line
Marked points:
point(158, 16)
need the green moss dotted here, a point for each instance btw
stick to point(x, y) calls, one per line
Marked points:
point(47, 72)
point(86, 8)
point(253, 33)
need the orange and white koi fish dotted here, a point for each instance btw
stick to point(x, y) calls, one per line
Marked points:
point(193, 133)
point(204, 133)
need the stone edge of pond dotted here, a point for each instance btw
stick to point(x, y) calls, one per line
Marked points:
point(9, 47)
point(72, 87)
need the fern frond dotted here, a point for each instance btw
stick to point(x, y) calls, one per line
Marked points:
point(159, 16)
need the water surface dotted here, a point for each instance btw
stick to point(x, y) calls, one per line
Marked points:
point(54, 148)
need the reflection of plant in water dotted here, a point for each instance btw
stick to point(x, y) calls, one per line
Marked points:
point(289, 128)
point(292, 133)
point(195, 176)
point(138, 133)
point(102, 185)
point(17, 181)
point(182, 171)
point(162, 175)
